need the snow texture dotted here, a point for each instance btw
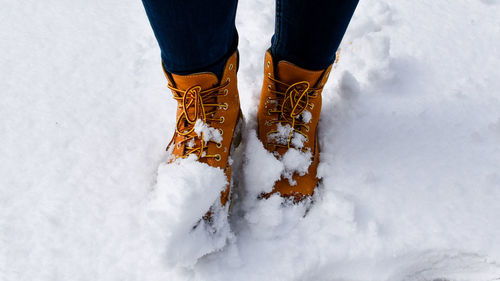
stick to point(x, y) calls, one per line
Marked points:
point(185, 191)
point(295, 161)
point(409, 138)
point(209, 133)
point(282, 135)
point(306, 116)
point(262, 169)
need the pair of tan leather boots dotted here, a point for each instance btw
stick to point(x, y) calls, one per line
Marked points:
point(208, 115)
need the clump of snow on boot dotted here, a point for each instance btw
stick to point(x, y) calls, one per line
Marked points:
point(281, 135)
point(209, 133)
point(295, 161)
point(275, 215)
point(259, 161)
point(185, 191)
point(285, 133)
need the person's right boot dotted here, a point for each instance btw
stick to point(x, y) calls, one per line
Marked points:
point(203, 100)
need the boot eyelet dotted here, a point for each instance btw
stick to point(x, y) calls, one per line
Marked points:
point(269, 87)
point(269, 74)
point(307, 139)
point(311, 105)
point(217, 157)
point(307, 128)
point(268, 112)
point(228, 80)
point(221, 132)
point(231, 67)
point(268, 63)
point(268, 123)
point(219, 145)
point(178, 145)
point(226, 106)
point(222, 119)
point(225, 92)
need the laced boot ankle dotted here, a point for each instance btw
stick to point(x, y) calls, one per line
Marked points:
point(289, 110)
point(208, 116)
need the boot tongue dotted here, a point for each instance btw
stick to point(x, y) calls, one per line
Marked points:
point(290, 73)
point(205, 80)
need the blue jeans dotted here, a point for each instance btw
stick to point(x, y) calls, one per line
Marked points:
point(199, 35)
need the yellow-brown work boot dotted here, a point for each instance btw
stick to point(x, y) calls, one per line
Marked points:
point(208, 116)
point(290, 105)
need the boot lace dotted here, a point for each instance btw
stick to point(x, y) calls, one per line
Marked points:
point(197, 104)
point(290, 104)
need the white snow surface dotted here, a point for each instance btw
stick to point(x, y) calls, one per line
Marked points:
point(409, 136)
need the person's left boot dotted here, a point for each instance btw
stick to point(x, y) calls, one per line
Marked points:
point(288, 115)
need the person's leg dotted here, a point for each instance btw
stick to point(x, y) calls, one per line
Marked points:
point(194, 36)
point(308, 33)
point(198, 42)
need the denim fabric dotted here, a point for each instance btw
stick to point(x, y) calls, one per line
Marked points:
point(308, 32)
point(199, 35)
point(194, 35)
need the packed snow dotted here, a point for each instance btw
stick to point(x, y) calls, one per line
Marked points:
point(185, 191)
point(409, 137)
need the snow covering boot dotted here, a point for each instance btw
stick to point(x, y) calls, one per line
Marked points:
point(208, 117)
point(290, 105)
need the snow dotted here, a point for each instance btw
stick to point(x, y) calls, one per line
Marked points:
point(282, 136)
point(295, 161)
point(306, 116)
point(262, 169)
point(409, 138)
point(184, 192)
point(209, 133)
